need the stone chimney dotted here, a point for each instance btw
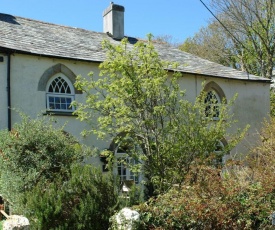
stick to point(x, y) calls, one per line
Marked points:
point(113, 21)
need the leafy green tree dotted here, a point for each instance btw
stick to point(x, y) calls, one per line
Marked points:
point(250, 24)
point(212, 43)
point(243, 38)
point(138, 103)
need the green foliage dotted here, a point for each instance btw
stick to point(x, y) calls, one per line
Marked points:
point(86, 201)
point(138, 103)
point(34, 151)
point(241, 196)
point(243, 40)
point(212, 43)
point(43, 178)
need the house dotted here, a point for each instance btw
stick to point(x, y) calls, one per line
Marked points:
point(39, 62)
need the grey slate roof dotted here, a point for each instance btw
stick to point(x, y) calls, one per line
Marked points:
point(40, 38)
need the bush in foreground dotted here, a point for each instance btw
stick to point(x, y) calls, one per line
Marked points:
point(86, 201)
point(34, 151)
point(210, 203)
point(43, 178)
point(239, 196)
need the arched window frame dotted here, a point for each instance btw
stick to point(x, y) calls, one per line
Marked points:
point(212, 101)
point(122, 159)
point(61, 96)
point(214, 96)
point(49, 74)
point(122, 162)
point(219, 151)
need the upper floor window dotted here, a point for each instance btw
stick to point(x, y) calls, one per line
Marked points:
point(212, 101)
point(60, 94)
point(214, 97)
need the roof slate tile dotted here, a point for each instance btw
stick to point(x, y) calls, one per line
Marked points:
point(41, 38)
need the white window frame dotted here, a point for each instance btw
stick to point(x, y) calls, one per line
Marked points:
point(70, 96)
point(121, 167)
point(55, 95)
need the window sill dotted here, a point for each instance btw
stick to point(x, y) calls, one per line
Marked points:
point(57, 113)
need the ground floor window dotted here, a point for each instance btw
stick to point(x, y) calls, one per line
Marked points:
point(124, 168)
point(219, 153)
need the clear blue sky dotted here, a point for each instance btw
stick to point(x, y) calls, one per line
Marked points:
point(177, 18)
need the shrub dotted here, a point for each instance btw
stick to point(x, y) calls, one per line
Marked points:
point(43, 177)
point(34, 151)
point(86, 201)
point(239, 196)
point(209, 204)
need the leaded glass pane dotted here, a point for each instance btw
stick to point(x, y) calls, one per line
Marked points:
point(212, 104)
point(59, 85)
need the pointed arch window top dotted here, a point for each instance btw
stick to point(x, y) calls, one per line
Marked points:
point(214, 97)
point(60, 94)
point(212, 102)
point(59, 85)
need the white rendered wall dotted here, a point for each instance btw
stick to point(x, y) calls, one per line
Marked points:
point(251, 105)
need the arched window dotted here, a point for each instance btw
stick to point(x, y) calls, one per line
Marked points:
point(59, 94)
point(57, 81)
point(124, 162)
point(212, 101)
point(219, 151)
point(220, 148)
point(214, 96)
